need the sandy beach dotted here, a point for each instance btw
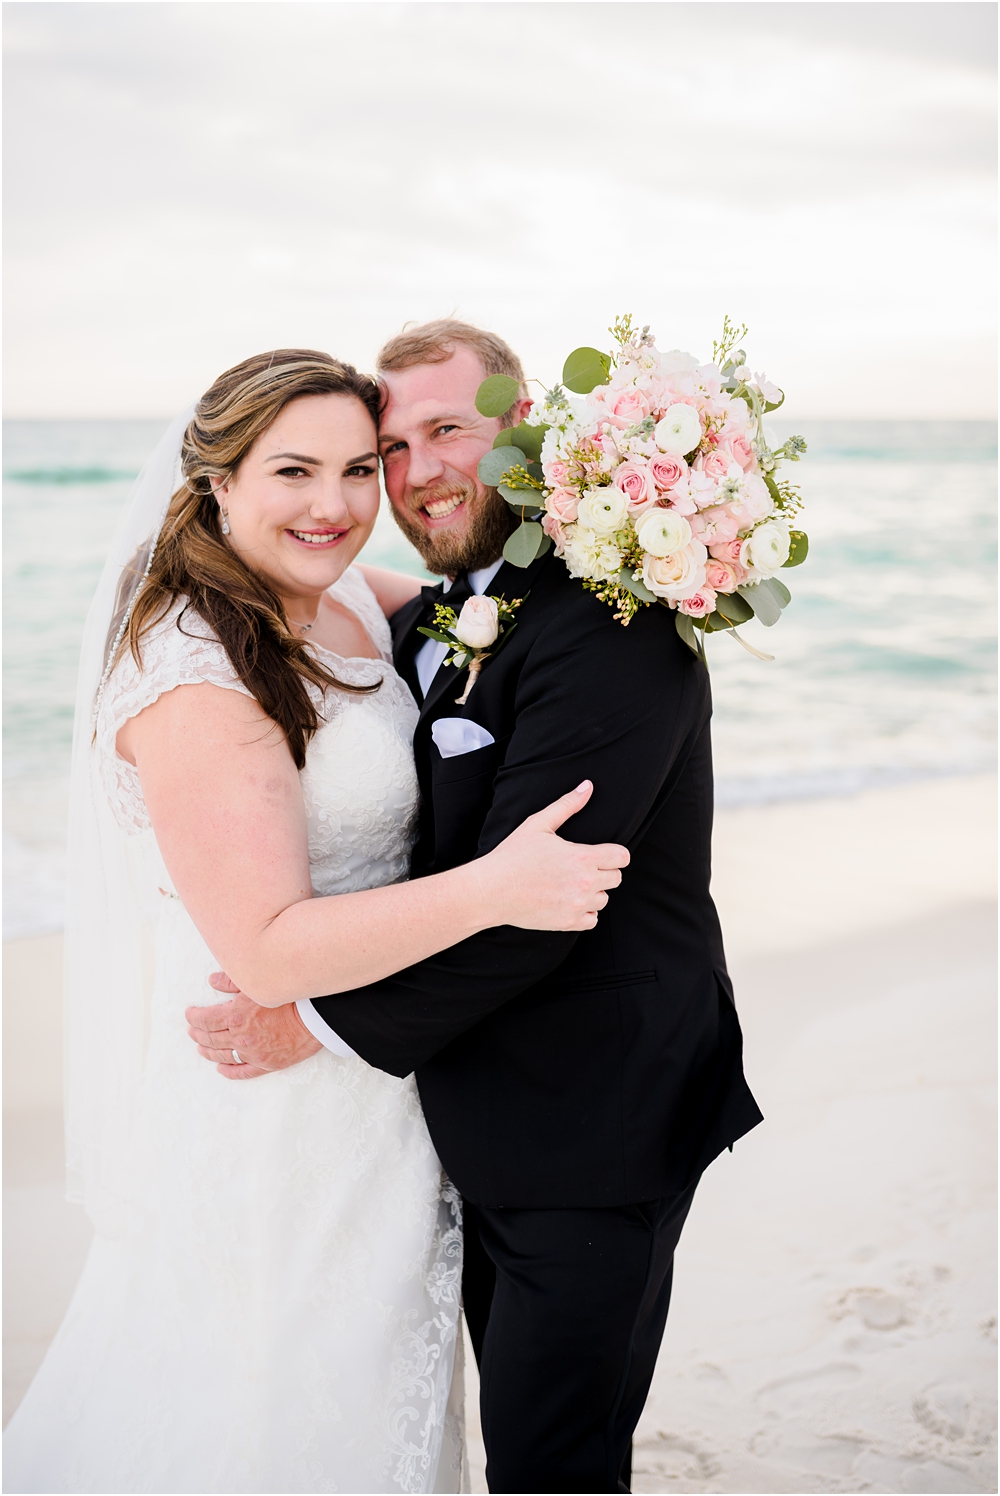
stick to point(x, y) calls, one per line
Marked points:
point(834, 1317)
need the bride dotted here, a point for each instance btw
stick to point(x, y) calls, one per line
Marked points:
point(271, 1302)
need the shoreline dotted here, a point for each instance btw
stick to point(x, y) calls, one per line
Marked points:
point(833, 1301)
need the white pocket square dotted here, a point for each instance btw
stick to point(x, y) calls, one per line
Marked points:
point(455, 735)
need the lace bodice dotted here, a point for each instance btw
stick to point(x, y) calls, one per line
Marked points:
point(359, 783)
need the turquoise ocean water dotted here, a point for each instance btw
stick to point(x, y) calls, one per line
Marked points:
point(884, 668)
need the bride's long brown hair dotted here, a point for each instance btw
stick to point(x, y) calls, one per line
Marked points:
point(192, 558)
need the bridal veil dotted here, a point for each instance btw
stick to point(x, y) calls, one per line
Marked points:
point(104, 1020)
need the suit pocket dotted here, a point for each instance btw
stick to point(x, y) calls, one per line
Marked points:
point(461, 796)
point(446, 771)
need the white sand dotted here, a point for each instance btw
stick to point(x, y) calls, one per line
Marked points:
point(834, 1305)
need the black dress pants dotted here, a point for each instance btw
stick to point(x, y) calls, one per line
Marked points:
point(566, 1311)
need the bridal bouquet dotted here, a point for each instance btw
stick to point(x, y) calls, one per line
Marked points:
point(659, 486)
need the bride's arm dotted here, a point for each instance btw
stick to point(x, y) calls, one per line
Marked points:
point(391, 588)
point(226, 805)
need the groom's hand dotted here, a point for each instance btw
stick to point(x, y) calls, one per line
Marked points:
point(264, 1038)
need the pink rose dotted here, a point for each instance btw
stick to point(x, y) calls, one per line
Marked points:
point(631, 406)
point(667, 470)
point(713, 465)
point(562, 504)
point(554, 529)
point(636, 483)
point(721, 575)
point(742, 451)
point(700, 605)
point(557, 472)
point(714, 525)
point(756, 497)
point(726, 550)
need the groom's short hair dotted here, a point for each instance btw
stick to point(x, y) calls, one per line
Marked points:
point(435, 342)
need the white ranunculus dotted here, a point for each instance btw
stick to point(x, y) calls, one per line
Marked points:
point(766, 548)
point(588, 554)
point(660, 532)
point(676, 362)
point(478, 623)
point(677, 576)
point(679, 432)
point(603, 510)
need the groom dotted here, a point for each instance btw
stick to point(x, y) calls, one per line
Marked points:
point(575, 1085)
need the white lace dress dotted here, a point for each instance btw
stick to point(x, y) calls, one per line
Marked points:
point(282, 1313)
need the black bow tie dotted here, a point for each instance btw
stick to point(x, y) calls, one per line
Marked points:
point(459, 592)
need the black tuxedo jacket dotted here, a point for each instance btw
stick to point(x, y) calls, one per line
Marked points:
point(599, 1068)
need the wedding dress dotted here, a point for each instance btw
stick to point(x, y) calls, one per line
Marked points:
point(281, 1309)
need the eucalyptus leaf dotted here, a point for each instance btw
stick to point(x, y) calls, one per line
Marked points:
point(688, 632)
point(585, 369)
point(521, 498)
point(770, 405)
point(496, 395)
point(536, 470)
point(525, 544)
point(504, 437)
point(494, 463)
point(778, 591)
point(765, 605)
point(732, 608)
point(772, 487)
point(715, 623)
point(800, 548)
point(433, 634)
point(528, 438)
point(637, 588)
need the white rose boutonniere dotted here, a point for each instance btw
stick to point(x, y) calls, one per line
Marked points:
point(471, 635)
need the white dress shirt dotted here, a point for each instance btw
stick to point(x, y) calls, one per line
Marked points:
point(428, 662)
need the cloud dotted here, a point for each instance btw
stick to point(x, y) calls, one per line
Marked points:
point(192, 182)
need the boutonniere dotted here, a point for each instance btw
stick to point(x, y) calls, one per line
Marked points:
point(474, 635)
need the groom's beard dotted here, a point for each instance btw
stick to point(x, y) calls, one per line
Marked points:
point(445, 553)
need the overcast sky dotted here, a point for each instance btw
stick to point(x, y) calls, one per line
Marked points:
point(190, 183)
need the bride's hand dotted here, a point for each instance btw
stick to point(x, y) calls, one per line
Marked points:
point(538, 881)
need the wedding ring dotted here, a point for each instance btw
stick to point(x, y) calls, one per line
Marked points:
point(236, 1058)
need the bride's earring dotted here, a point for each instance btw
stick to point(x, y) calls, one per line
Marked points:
point(225, 522)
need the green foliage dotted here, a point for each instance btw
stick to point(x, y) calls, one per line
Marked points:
point(496, 395)
point(494, 463)
point(638, 588)
point(528, 438)
point(800, 548)
point(528, 541)
point(691, 635)
point(524, 500)
point(766, 598)
point(730, 609)
point(770, 405)
point(585, 369)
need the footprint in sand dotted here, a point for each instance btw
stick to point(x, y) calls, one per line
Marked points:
point(666, 1462)
point(796, 1394)
point(875, 1307)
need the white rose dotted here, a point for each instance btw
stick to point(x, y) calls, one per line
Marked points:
point(478, 623)
point(677, 576)
point(679, 431)
point(604, 510)
point(766, 548)
point(588, 554)
point(660, 532)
